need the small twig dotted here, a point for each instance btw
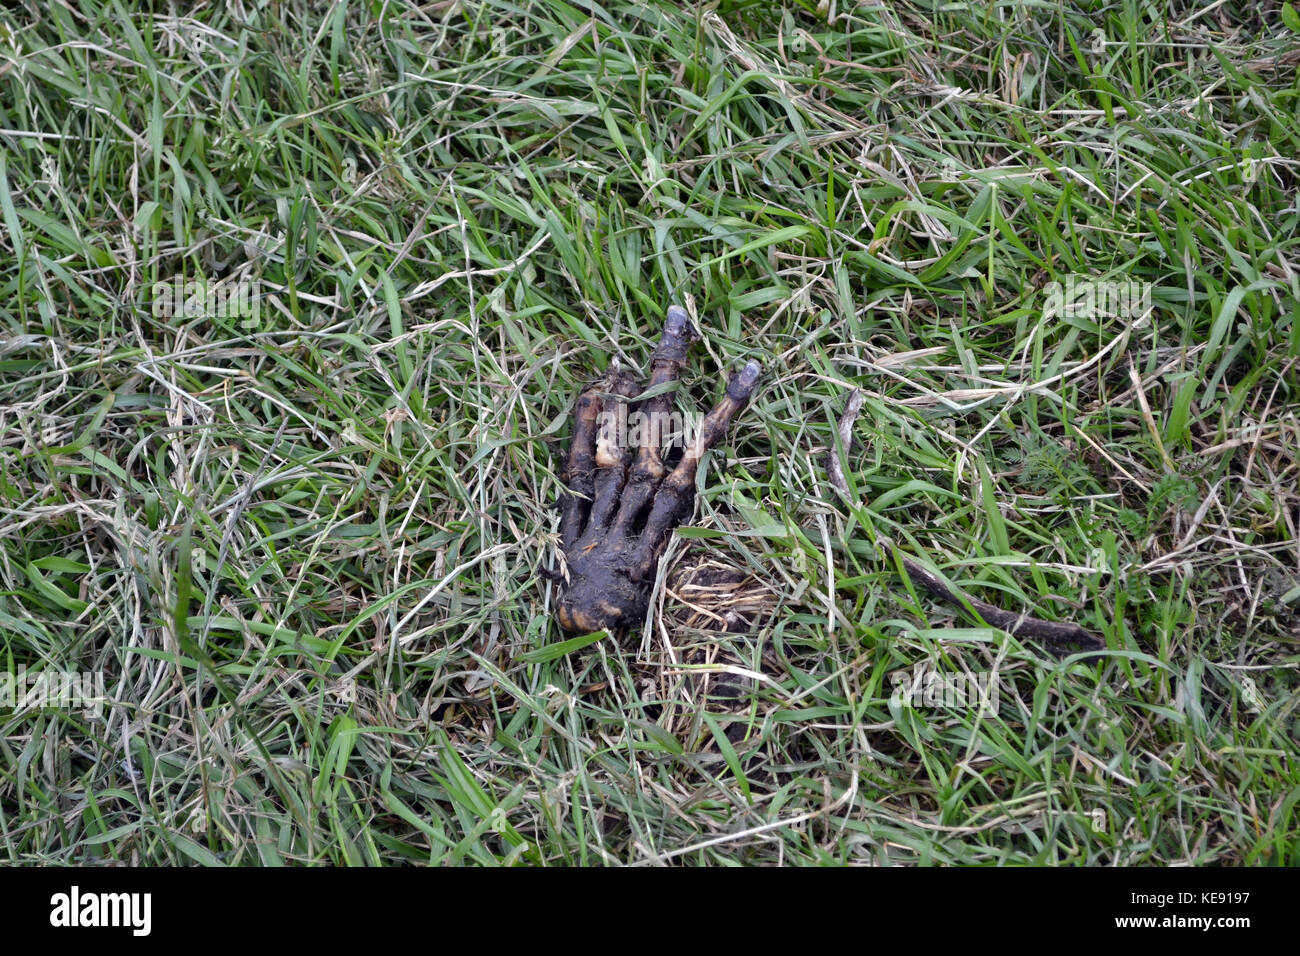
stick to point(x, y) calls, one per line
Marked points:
point(1057, 636)
point(846, 439)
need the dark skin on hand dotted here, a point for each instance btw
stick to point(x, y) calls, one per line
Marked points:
point(623, 504)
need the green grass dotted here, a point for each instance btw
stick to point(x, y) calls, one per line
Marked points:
point(305, 550)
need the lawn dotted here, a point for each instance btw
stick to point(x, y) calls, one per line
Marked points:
point(296, 300)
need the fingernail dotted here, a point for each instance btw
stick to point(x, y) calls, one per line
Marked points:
point(676, 321)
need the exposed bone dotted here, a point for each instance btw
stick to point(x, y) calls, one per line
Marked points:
point(648, 469)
